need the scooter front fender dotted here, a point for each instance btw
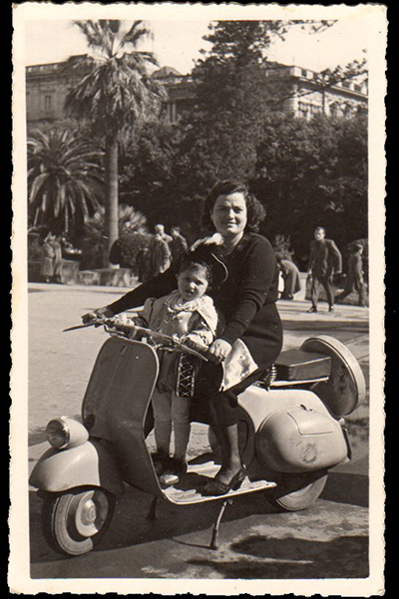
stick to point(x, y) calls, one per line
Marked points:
point(89, 464)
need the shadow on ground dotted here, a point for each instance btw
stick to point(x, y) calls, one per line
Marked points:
point(264, 558)
point(345, 487)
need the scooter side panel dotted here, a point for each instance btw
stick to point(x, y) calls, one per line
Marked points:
point(294, 432)
point(260, 403)
point(117, 400)
point(300, 440)
point(89, 464)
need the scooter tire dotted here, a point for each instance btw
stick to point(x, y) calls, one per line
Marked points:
point(73, 522)
point(296, 492)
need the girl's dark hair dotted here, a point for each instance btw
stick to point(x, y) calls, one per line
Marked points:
point(255, 211)
point(192, 265)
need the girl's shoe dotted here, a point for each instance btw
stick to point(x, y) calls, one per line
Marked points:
point(174, 469)
point(160, 460)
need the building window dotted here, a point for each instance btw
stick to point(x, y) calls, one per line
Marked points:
point(315, 109)
point(304, 73)
point(48, 103)
point(303, 109)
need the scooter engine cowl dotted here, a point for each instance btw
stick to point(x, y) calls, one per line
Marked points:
point(300, 440)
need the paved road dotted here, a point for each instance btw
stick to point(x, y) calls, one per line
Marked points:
point(328, 541)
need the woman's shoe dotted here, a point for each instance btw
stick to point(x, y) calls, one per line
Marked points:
point(216, 487)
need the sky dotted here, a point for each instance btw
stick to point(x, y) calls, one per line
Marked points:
point(177, 43)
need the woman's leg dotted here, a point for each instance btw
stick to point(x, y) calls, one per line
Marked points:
point(223, 418)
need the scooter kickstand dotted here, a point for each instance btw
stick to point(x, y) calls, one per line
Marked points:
point(153, 508)
point(215, 533)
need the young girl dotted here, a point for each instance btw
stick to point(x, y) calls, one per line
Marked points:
point(188, 314)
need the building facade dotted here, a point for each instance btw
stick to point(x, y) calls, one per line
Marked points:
point(307, 93)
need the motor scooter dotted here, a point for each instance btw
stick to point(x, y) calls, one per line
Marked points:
point(291, 432)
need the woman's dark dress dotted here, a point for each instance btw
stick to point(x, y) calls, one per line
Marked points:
point(247, 300)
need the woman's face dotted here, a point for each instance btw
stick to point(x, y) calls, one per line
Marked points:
point(229, 214)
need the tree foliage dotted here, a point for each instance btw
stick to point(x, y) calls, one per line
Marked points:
point(311, 173)
point(65, 182)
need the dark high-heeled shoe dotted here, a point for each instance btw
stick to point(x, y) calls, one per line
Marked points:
point(216, 487)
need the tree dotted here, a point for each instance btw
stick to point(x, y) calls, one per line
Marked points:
point(231, 90)
point(234, 97)
point(64, 179)
point(114, 94)
point(311, 173)
point(147, 179)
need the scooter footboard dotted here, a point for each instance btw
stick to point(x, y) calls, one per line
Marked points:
point(89, 464)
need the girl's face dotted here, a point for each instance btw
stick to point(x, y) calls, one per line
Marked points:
point(192, 284)
point(229, 214)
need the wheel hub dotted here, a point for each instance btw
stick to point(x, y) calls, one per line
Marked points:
point(91, 512)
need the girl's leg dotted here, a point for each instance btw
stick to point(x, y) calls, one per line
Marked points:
point(181, 425)
point(161, 403)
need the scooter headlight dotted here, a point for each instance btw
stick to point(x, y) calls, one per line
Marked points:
point(58, 434)
point(66, 432)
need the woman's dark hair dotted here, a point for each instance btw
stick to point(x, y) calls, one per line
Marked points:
point(255, 211)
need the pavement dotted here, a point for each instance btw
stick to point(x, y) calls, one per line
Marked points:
point(255, 544)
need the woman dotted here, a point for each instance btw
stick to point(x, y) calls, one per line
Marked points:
point(246, 300)
point(291, 276)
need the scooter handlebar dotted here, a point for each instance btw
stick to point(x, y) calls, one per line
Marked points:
point(129, 328)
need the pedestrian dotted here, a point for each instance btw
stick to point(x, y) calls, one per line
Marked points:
point(57, 259)
point(291, 277)
point(161, 231)
point(143, 264)
point(187, 313)
point(160, 256)
point(178, 245)
point(354, 278)
point(325, 261)
point(47, 265)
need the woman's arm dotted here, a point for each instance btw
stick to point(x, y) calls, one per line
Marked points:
point(160, 285)
point(156, 287)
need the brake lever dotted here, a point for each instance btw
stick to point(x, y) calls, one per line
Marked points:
point(95, 323)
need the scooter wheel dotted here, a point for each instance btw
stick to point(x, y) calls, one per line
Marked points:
point(295, 492)
point(74, 521)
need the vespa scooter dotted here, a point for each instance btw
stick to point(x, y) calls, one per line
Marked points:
point(291, 432)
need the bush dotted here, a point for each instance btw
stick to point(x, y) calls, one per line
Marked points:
point(126, 249)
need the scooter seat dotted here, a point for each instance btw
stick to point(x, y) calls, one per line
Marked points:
point(297, 365)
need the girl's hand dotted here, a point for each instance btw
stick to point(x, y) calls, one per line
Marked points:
point(219, 350)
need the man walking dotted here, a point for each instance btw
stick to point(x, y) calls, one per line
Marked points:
point(159, 252)
point(355, 275)
point(325, 261)
point(178, 245)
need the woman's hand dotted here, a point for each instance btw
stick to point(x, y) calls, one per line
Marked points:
point(96, 314)
point(219, 350)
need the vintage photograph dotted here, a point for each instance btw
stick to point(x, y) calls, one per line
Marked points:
point(198, 242)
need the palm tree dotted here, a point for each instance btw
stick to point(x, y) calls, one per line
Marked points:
point(64, 179)
point(114, 94)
